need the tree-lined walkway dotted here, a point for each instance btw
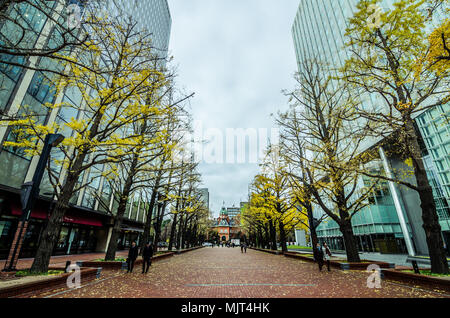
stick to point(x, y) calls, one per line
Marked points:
point(226, 273)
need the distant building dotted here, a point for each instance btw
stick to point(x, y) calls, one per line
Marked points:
point(205, 197)
point(227, 226)
point(233, 211)
point(300, 238)
point(151, 15)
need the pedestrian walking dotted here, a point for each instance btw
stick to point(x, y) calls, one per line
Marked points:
point(245, 247)
point(326, 255)
point(242, 247)
point(132, 256)
point(319, 255)
point(147, 254)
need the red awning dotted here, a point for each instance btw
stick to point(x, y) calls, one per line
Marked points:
point(37, 213)
point(70, 217)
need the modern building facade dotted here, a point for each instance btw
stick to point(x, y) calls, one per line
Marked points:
point(300, 238)
point(318, 32)
point(151, 15)
point(234, 211)
point(205, 197)
point(87, 225)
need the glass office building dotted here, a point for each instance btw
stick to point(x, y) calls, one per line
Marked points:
point(154, 16)
point(318, 32)
point(86, 224)
point(234, 212)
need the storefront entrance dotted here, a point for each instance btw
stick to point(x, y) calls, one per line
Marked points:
point(76, 239)
point(78, 233)
point(446, 236)
point(127, 237)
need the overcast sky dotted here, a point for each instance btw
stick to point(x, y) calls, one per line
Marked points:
point(237, 56)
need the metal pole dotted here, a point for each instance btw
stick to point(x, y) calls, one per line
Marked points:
point(397, 203)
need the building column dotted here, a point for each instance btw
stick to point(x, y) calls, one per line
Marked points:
point(397, 203)
point(104, 247)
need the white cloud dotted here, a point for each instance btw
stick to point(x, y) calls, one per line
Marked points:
point(237, 56)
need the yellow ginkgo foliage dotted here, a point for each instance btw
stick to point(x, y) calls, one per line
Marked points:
point(439, 54)
point(115, 80)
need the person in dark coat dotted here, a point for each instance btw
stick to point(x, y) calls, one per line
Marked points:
point(326, 255)
point(132, 256)
point(318, 255)
point(147, 254)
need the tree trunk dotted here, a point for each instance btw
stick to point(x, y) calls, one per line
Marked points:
point(266, 236)
point(282, 237)
point(179, 232)
point(191, 235)
point(124, 197)
point(184, 234)
point(312, 228)
point(260, 239)
point(50, 234)
point(172, 232)
point(433, 230)
point(159, 220)
point(48, 239)
point(148, 221)
point(112, 245)
point(351, 248)
point(273, 235)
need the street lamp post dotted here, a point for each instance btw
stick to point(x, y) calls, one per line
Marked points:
point(28, 194)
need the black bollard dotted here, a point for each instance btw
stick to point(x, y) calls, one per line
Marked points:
point(416, 267)
point(67, 266)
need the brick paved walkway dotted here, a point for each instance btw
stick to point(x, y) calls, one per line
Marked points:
point(226, 273)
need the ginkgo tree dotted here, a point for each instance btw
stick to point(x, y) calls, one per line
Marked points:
point(272, 202)
point(188, 202)
point(398, 62)
point(113, 98)
point(258, 219)
point(322, 143)
point(185, 185)
point(163, 176)
point(437, 58)
point(292, 150)
point(280, 201)
point(140, 163)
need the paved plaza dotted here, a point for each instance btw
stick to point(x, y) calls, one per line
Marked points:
point(227, 273)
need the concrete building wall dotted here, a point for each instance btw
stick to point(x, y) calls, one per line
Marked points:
point(300, 238)
point(411, 206)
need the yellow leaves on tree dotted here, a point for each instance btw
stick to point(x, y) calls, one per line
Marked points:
point(439, 54)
